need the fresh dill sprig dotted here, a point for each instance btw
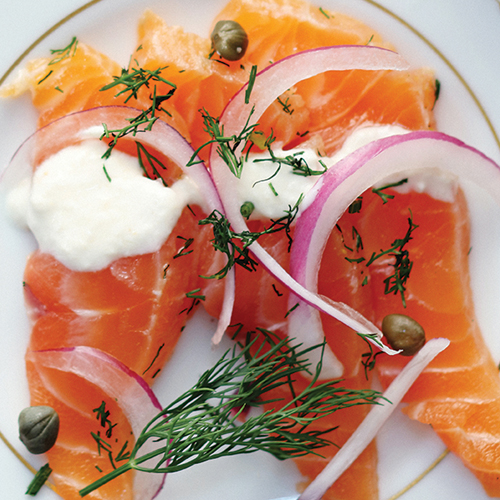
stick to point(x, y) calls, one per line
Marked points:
point(61, 54)
point(153, 162)
point(236, 245)
point(386, 197)
point(133, 80)
point(65, 53)
point(205, 422)
point(395, 283)
point(368, 359)
point(296, 161)
point(251, 82)
point(136, 78)
point(227, 146)
point(286, 105)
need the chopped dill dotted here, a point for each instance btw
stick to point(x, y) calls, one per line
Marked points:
point(437, 89)
point(357, 238)
point(324, 12)
point(285, 105)
point(251, 81)
point(154, 359)
point(39, 480)
point(133, 80)
point(291, 309)
point(102, 414)
point(227, 147)
point(353, 260)
point(65, 53)
point(184, 249)
point(236, 245)
point(106, 173)
point(152, 161)
point(386, 197)
point(369, 358)
point(395, 283)
point(194, 294)
point(272, 188)
point(296, 161)
point(356, 205)
point(45, 77)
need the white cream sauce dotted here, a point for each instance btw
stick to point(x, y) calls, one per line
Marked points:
point(87, 220)
point(273, 189)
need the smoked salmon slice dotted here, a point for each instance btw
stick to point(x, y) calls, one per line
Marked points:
point(134, 309)
point(459, 393)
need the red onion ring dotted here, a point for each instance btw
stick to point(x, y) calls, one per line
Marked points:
point(268, 85)
point(350, 177)
point(117, 381)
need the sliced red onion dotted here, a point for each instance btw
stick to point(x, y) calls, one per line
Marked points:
point(350, 177)
point(88, 124)
point(378, 415)
point(269, 85)
point(117, 381)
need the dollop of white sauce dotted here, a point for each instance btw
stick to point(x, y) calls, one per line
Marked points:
point(88, 212)
point(274, 189)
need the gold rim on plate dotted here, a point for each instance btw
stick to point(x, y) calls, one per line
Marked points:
point(373, 3)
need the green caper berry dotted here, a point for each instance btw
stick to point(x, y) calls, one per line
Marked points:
point(403, 332)
point(229, 40)
point(246, 209)
point(38, 428)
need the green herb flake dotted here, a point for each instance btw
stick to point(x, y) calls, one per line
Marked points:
point(194, 294)
point(132, 80)
point(236, 245)
point(355, 206)
point(39, 480)
point(65, 53)
point(386, 197)
point(106, 173)
point(251, 81)
point(324, 12)
point(395, 283)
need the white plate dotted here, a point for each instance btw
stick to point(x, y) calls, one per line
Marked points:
point(467, 61)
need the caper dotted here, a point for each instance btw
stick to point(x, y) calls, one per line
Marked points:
point(38, 428)
point(403, 332)
point(230, 40)
point(246, 209)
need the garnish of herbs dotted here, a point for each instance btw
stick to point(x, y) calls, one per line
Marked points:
point(206, 422)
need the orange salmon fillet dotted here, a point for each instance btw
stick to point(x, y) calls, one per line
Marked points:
point(459, 393)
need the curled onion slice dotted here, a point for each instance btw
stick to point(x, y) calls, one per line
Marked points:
point(268, 86)
point(88, 124)
point(351, 176)
point(370, 426)
point(137, 401)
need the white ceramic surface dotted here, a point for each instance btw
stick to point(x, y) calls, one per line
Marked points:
point(468, 38)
